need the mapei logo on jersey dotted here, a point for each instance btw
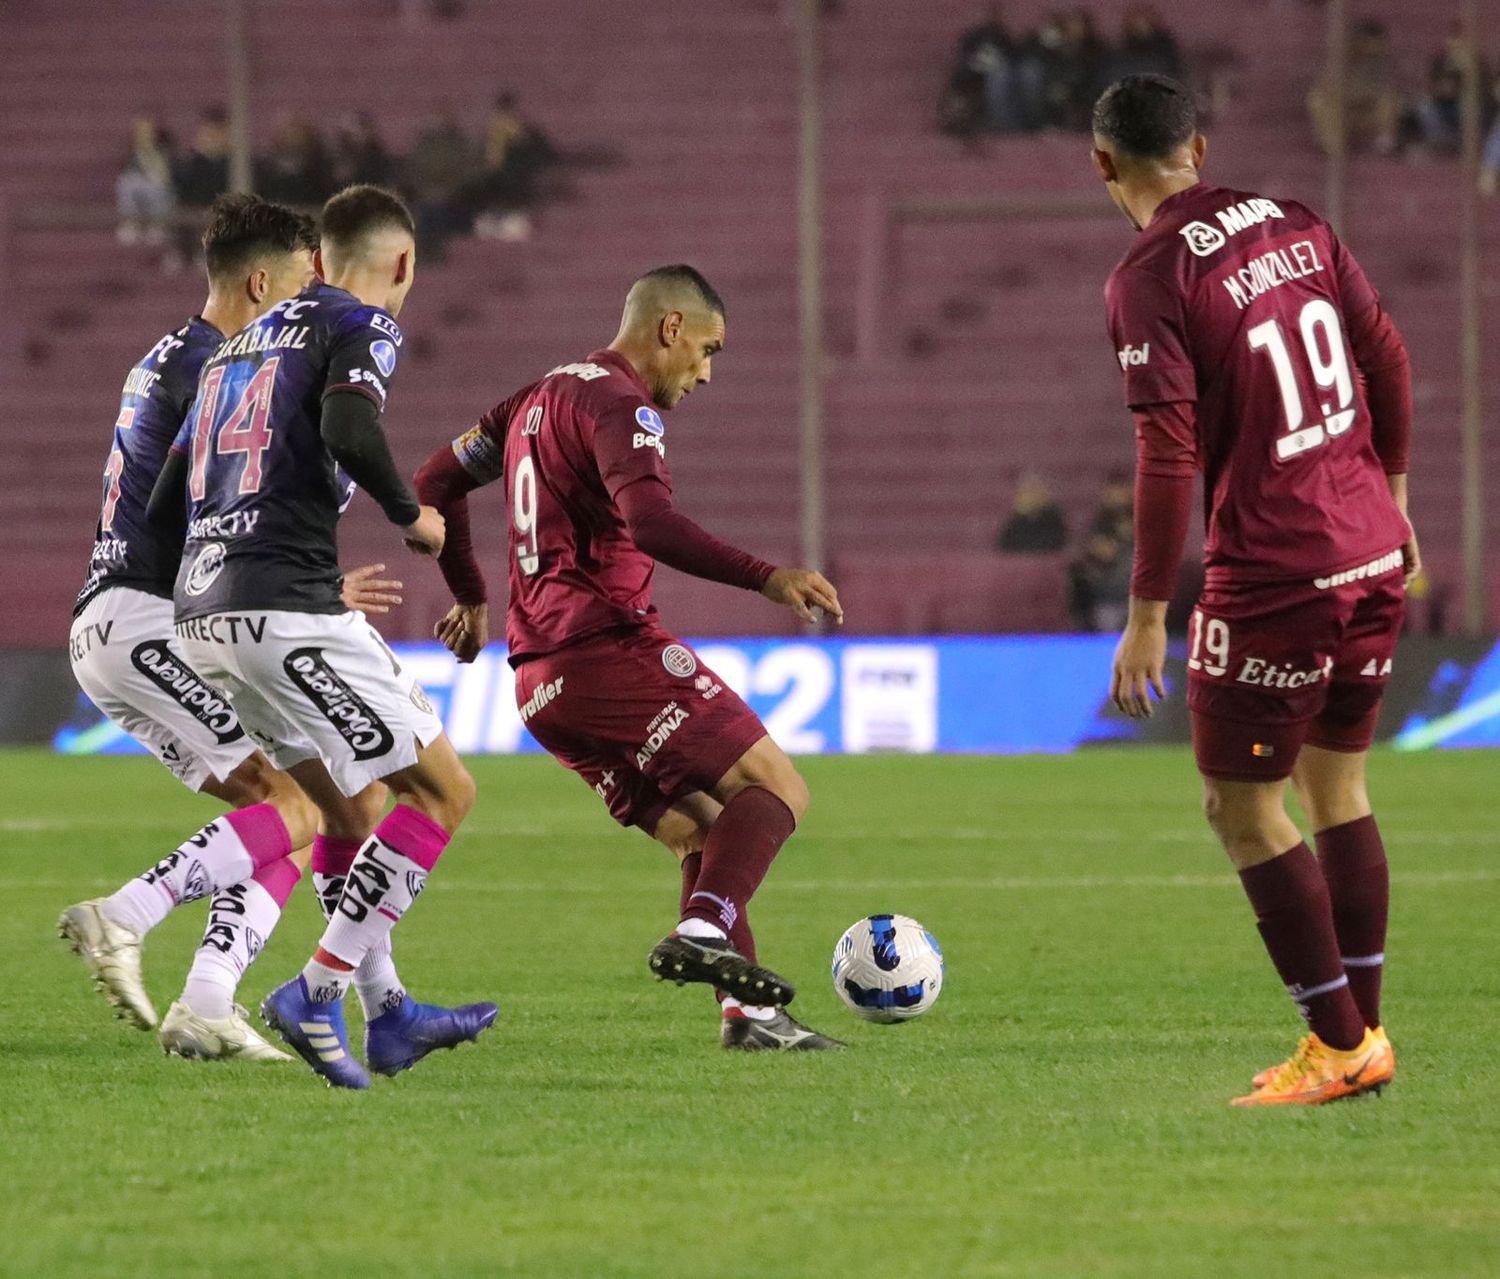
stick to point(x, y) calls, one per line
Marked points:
point(678, 660)
point(588, 372)
point(1204, 239)
point(384, 355)
point(340, 705)
point(668, 720)
point(207, 567)
point(1134, 356)
point(209, 707)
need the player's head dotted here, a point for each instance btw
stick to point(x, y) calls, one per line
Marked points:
point(1145, 134)
point(369, 245)
point(256, 254)
point(672, 327)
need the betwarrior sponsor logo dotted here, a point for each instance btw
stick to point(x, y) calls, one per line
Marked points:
point(340, 705)
point(1375, 568)
point(204, 703)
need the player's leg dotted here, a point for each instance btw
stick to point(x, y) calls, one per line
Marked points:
point(1331, 786)
point(125, 660)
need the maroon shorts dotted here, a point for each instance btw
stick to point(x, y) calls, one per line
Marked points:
point(638, 717)
point(1273, 665)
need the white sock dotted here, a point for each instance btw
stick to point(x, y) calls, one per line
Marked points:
point(240, 919)
point(379, 889)
point(212, 859)
point(755, 1012)
point(376, 980)
point(325, 985)
point(696, 927)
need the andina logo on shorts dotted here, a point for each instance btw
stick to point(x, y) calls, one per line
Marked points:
point(210, 708)
point(667, 722)
point(340, 705)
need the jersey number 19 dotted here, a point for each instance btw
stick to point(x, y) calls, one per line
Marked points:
point(1319, 325)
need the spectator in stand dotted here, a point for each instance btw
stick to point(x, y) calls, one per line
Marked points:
point(966, 106)
point(443, 161)
point(1115, 514)
point(1372, 105)
point(1437, 116)
point(516, 153)
point(203, 173)
point(1077, 71)
point(296, 170)
point(358, 154)
point(1146, 46)
point(144, 198)
point(1036, 524)
point(1099, 584)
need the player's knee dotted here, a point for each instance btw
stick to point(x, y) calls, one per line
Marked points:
point(255, 781)
point(356, 817)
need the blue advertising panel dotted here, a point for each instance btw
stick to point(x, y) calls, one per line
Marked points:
point(989, 694)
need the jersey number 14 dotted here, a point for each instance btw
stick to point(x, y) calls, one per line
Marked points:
point(1320, 328)
point(243, 431)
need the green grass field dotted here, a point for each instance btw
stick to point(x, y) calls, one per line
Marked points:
point(1061, 1112)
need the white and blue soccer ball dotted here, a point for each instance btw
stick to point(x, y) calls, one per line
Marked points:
point(888, 968)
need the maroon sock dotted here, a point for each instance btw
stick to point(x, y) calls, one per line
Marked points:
point(691, 865)
point(744, 841)
point(1359, 885)
point(1295, 919)
point(740, 936)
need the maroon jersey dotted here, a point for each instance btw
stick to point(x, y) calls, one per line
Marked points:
point(1244, 307)
point(566, 446)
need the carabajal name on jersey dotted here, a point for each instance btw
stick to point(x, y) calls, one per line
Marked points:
point(264, 493)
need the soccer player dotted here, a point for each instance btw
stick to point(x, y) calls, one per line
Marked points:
point(1254, 349)
point(125, 658)
point(615, 698)
point(280, 408)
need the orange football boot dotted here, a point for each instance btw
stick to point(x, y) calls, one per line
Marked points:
point(1379, 1032)
point(1316, 1073)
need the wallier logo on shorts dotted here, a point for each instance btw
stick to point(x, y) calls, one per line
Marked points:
point(660, 728)
point(544, 693)
point(157, 663)
point(341, 706)
point(1395, 559)
point(1264, 674)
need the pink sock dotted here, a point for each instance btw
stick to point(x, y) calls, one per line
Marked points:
point(278, 879)
point(262, 832)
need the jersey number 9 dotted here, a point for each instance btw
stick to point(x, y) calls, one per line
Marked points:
point(523, 515)
point(1319, 323)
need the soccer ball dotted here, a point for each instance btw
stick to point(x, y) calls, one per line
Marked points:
point(888, 968)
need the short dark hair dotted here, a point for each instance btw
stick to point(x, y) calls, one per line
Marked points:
point(357, 210)
point(1148, 116)
point(242, 228)
point(680, 274)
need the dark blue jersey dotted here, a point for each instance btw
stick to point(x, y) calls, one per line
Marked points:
point(264, 493)
point(128, 549)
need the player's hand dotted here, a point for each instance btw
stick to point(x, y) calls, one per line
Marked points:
point(425, 534)
point(1411, 554)
point(364, 592)
point(464, 630)
point(802, 590)
point(1139, 658)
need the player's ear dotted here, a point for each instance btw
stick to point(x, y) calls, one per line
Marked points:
point(1200, 149)
point(318, 264)
point(403, 266)
point(670, 328)
point(1104, 165)
point(257, 285)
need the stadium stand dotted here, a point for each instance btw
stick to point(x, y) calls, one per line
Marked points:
point(989, 354)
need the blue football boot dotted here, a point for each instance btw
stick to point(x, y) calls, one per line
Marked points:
point(315, 1031)
point(399, 1039)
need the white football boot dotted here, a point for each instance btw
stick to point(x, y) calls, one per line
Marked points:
point(215, 1039)
point(112, 953)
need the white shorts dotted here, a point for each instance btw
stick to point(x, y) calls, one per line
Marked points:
point(127, 660)
point(315, 686)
